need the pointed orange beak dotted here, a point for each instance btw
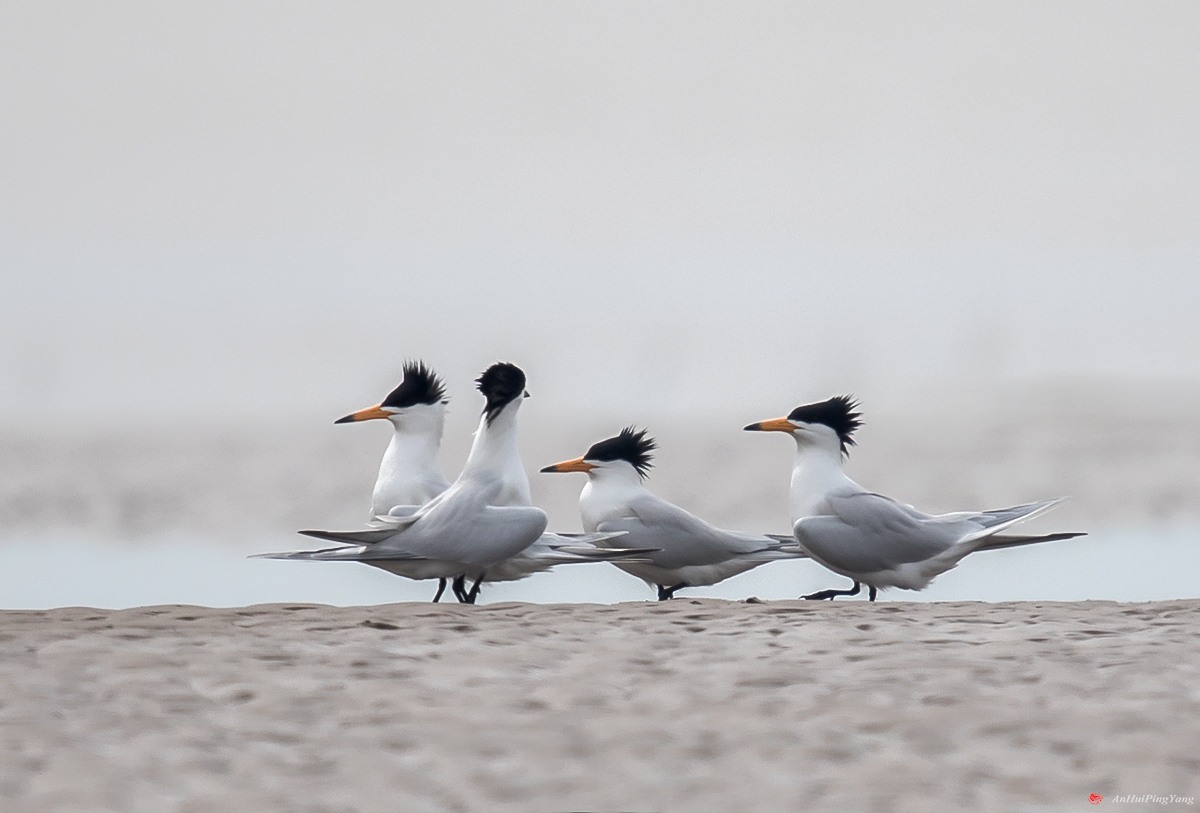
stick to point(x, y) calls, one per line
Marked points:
point(367, 414)
point(774, 425)
point(570, 465)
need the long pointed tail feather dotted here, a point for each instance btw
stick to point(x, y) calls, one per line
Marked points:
point(356, 553)
point(367, 537)
point(995, 521)
point(582, 539)
point(602, 554)
point(997, 541)
point(1003, 517)
point(786, 544)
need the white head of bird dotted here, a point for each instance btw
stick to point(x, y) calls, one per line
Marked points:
point(416, 406)
point(623, 458)
point(824, 433)
point(494, 453)
point(825, 428)
point(410, 472)
point(615, 468)
point(503, 385)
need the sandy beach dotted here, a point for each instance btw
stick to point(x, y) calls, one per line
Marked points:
point(225, 228)
point(685, 705)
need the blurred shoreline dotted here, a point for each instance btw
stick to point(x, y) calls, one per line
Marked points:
point(1124, 456)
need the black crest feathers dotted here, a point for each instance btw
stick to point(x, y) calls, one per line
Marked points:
point(420, 386)
point(501, 384)
point(630, 445)
point(838, 413)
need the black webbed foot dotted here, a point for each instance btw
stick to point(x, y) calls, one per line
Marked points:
point(829, 594)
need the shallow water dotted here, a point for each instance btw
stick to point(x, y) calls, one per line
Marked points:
point(1120, 564)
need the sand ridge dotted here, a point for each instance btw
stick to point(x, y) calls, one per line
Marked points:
point(682, 705)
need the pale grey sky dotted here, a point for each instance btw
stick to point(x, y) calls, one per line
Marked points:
point(215, 206)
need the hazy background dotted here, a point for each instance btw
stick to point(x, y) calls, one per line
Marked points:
point(224, 225)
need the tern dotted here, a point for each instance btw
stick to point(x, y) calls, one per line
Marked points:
point(410, 473)
point(410, 478)
point(482, 519)
point(873, 539)
point(690, 552)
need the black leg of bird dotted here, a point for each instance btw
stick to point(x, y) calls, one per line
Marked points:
point(829, 594)
point(441, 589)
point(666, 593)
point(474, 593)
point(459, 586)
point(872, 592)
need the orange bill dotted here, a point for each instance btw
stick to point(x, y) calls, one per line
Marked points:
point(364, 415)
point(577, 464)
point(773, 425)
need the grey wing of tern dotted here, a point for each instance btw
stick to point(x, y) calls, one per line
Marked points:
point(862, 532)
point(867, 533)
point(682, 538)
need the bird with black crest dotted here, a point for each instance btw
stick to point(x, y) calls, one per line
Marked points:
point(482, 519)
point(867, 537)
point(687, 551)
point(410, 473)
point(410, 469)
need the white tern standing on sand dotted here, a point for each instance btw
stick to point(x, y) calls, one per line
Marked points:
point(410, 471)
point(870, 538)
point(689, 552)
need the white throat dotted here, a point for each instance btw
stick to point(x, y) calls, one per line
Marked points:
point(411, 472)
point(817, 470)
point(495, 456)
point(607, 495)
